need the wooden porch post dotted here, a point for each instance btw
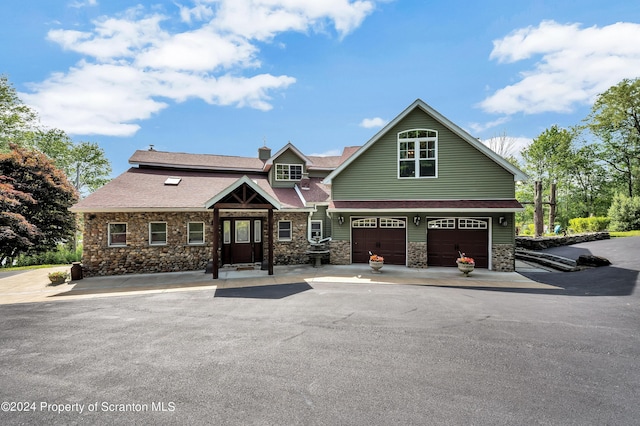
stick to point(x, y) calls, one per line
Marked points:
point(216, 238)
point(270, 234)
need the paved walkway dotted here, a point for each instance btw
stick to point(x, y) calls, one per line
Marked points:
point(33, 285)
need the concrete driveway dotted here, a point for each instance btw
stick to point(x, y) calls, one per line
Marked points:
point(351, 353)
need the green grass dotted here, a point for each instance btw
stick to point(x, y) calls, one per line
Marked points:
point(635, 233)
point(24, 268)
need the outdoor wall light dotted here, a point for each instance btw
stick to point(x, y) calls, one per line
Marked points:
point(416, 220)
point(503, 221)
point(340, 219)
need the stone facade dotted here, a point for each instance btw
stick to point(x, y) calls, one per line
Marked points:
point(138, 256)
point(291, 252)
point(340, 252)
point(503, 257)
point(417, 254)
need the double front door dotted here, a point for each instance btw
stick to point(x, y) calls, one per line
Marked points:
point(241, 240)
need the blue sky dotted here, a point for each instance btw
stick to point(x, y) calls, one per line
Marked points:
point(227, 76)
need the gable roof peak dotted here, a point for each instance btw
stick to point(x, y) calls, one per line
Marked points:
point(288, 146)
point(419, 103)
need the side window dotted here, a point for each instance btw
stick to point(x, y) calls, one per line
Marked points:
point(284, 230)
point(288, 171)
point(117, 234)
point(195, 231)
point(157, 233)
point(316, 229)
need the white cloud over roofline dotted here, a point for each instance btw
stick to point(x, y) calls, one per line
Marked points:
point(576, 64)
point(369, 123)
point(133, 67)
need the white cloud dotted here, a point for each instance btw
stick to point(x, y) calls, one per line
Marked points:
point(576, 65)
point(263, 19)
point(133, 66)
point(329, 153)
point(369, 123)
point(78, 3)
point(481, 127)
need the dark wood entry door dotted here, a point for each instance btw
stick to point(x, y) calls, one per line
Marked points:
point(390, 243)
point(443, 246)
point(241, 240)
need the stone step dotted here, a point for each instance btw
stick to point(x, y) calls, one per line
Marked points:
point(552, 261)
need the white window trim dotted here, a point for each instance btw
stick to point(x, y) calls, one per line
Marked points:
point(189, 234)
point(392, 222)
point(290, 230)
point(469, 223)
point(365, 222)
point(416, 158)
point(442, 223)
point(288, 166)
point(126, 232)
point(166, 234)
point(311, 229)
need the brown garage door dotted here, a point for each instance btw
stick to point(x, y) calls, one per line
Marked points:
point(447, 237)
point(383, 236)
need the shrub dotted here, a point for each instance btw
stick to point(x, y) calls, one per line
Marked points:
point(61, 256)
point(589, 224)
point(625, 213)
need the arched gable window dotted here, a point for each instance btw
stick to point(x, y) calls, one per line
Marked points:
point(418, 153)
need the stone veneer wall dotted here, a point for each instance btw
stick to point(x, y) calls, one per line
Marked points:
point(290, 252)
point(139, 256)
point(340, 252)
point(417, 254)
point(503, 257)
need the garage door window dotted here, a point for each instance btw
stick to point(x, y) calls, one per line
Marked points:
point(442, 224)
point(369, 222)
point(472, 224)
point(388, 222)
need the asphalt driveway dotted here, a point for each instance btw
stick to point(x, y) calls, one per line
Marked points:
point(329, 353)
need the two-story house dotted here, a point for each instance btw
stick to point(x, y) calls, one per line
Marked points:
point(418, 193)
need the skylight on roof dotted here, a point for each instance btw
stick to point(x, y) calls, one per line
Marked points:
point(172, 181)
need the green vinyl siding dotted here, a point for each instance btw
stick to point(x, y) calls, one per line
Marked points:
point(463, 171)
point(321, 214)
point(287, 157)
point(319, 173)
point(503, 234)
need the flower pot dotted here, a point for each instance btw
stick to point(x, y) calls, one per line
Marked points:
point(376, 265)
point(57, 280)
point(465, 268)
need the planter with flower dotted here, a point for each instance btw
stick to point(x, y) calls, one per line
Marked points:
point(376, 262)
point(58, 277)
point(465, 264)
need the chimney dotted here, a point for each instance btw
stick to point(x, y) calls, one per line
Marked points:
point(305, 181)
point(264, 153)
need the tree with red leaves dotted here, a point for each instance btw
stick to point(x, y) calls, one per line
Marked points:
point(35, 198)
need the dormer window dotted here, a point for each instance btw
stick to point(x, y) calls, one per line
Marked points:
point(288, 172)
point(418, 153)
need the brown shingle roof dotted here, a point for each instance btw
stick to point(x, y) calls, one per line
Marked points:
point(195, 161)
point(144, 189)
